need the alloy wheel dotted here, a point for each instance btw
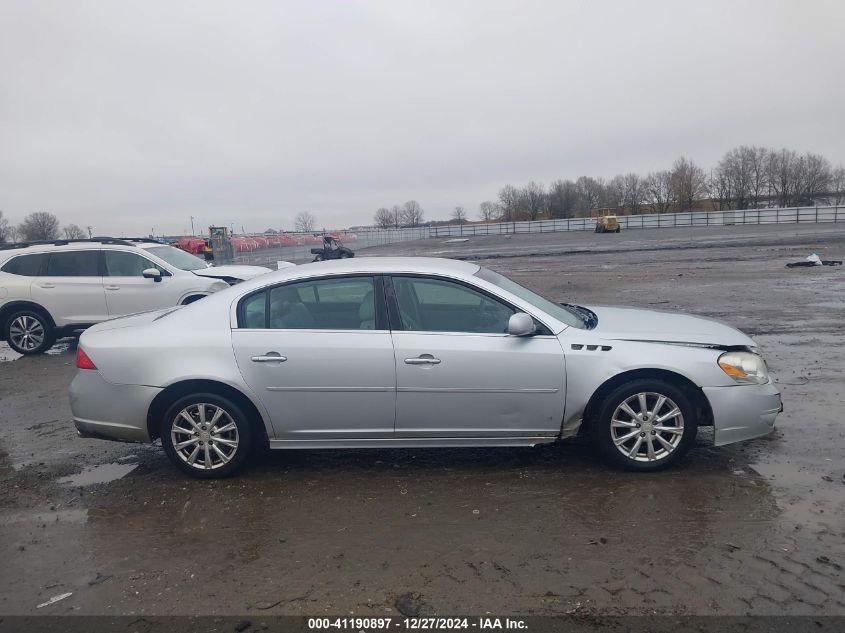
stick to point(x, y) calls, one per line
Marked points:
point(26, 333)
point(647, 427)
point(204, 436)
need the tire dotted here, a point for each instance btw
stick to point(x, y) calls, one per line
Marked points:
point(618, 228)
point(318, 258)
point(241, 434)
point(598, 229)
point(29, 332)
point(637, 457)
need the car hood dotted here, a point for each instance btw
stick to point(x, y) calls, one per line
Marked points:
point(635, 324)
point(232, 271)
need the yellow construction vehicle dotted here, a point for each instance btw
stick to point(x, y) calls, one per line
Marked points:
point(606, 220)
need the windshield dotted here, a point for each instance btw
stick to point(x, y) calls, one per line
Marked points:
point(175, 257)
point(561, 313)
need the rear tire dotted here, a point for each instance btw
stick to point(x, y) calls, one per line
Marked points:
point(644, 438)
point(318, 258)
point(29, 332)
point(206, 435)
point(617, 229)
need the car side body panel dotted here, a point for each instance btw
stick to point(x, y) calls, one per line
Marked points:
point(156, 350)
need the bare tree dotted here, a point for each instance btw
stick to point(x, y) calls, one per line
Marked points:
point(40, 225)
point(509, 201)
point(412, 213)
point(759, 174)
point(5, 235)
point(396, 211)
point(591, 191)
point(837, 185)
point(815, 176)
point(304, 222)
point(74, 232)
point(689, 182)
point(535, 200)
point(384, 218)
point(488, 211)
point(613, 195)
point(459, 215)
point(562, 196)
point(658, 191)
point(783, 172)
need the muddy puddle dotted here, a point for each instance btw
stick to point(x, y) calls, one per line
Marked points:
point(67, 346)
point(103, 474)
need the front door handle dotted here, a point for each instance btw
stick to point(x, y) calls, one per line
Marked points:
point(112, 287)
point(423, 359)
point(46, 285)
point(269, 357)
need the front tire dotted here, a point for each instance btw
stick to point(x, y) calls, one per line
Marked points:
point(318, 258)
point(644, 425)
point(206, 436)
point(29, 332)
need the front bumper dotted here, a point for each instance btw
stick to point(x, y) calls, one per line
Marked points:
point(743, 412)
point(111, 412)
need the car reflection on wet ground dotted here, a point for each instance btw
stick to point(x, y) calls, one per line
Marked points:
point(756, 528)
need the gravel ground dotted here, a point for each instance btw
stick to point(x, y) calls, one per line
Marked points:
point(755, 528)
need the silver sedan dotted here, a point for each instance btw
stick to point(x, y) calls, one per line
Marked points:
point(413, 352)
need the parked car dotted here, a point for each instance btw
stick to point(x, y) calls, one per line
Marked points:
point(413, 352)
point(332, 248)
point(54, 288)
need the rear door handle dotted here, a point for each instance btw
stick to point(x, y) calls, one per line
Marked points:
point(423, 359)
point(112, 287)
point(46, 285)
point(269, 357)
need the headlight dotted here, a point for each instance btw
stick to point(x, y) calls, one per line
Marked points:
point(744, 367)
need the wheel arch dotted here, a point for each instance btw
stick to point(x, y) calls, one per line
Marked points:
point(22, 304)
point(702, 405)
point(186, 387)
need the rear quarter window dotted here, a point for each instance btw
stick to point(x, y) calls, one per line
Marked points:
point(25, 265)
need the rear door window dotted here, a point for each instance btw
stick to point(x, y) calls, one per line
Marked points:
point(123, 264)
point(74, 264)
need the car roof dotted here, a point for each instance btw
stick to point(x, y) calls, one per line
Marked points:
point(9, 250)
point(365, 265)
point(381, 265)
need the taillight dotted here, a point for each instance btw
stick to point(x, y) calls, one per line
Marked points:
point(82, 360)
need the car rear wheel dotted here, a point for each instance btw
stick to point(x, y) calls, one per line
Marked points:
point(29, 332)
point(645, 425)
point(206, 435)
point(318, 258)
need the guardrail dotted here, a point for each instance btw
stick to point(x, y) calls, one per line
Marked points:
point(785, 215)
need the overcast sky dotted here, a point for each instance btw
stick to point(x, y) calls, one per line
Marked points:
point(133, 116)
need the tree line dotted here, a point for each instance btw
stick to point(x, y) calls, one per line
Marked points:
point(745, 177)
point(408, 214)
point(40, 225)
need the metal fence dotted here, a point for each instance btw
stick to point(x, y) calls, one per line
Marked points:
point(302, 253)
point(377, 237)
point(791, 215)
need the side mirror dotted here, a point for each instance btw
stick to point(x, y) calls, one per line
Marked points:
point(521, 324)
point(152, 273)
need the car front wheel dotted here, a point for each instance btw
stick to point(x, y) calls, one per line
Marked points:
point(645, 425)
point(28, 332)
point(206, 435)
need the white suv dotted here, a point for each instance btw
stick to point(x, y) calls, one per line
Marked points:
point(52, 289)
